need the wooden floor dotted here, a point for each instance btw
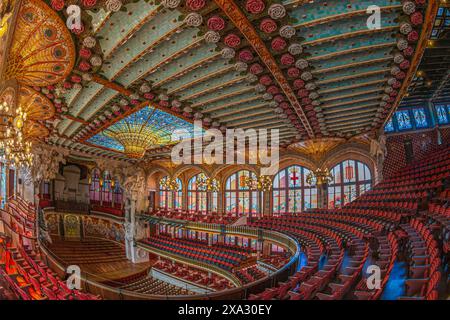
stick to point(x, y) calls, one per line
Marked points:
point(104, 259)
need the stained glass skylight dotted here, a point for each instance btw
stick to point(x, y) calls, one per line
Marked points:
point(146, 129)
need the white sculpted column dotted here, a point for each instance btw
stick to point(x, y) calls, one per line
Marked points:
point(134, 186)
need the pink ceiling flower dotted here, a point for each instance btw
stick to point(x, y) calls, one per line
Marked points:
point(85, 53)
point(256, 68)
point(149, 96)
point(287, 59)
point(255, 6)
point(268, 25)
point(195, 5)
point(401, 75)
point(293, 72)
point(88, 3)
point(79, 30)
point(278, 44)
point(405, 65)
point(265, 80)
point(232, 40)
point(273, 90)
point(279, 98)
point(67, 85)
point(302, 93)
point(57, 5)
point(413, 36)
point(216, 23)
point(397, 84)
point(408, 52)
point(393, 93)
point(299, 83)
point(306, 101)
point(164, 103)
point(246, 55)
point(75, 78)
point(84, 65)
point(284, 105)
point(416, 18)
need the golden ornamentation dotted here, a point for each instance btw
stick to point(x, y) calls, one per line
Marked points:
point(42, 51)
point(319, 177)
point(36, 105)
point(316, 148)
point(35, 130)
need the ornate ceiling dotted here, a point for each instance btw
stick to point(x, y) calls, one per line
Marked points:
point(312, 69)
point(431, 82)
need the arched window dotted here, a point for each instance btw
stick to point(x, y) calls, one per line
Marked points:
point(3, 185)
point(197, 194)
point(117, 193)
point(291, 192)
point(169, 199)
point(94, 188)
point(239, 199)
point(198, 200)
point(178, 195)
point(351, 179)
point(106, 189)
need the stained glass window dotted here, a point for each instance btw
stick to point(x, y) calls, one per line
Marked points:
point(117, 194)
point(169, 199)
point(350, 180)
point(178, 195)
point(420, 118)
point(163, 203)
point(106, 189)
point(95, 188)
point(197, 194)
point(3, 185)
point(442, 114)
point(239, 199)
point(389, 127)
point(403, 120)
point(291, 193)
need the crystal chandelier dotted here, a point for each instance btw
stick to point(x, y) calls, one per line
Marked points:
point(169, 184)
point(319, 177)
point(12, 141)
point(208, 184)
point(261, 183)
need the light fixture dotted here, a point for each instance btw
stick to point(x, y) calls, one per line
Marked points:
point(167, 183)
point(261, 183)
point(208, 184)
point(319, 177)
point(14, 145)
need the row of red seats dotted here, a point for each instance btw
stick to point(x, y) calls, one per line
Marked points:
point(32, 280)
point(212, 217)
point(222, 258)
point(193, 275)
point(386, 256)
point(424, 262)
